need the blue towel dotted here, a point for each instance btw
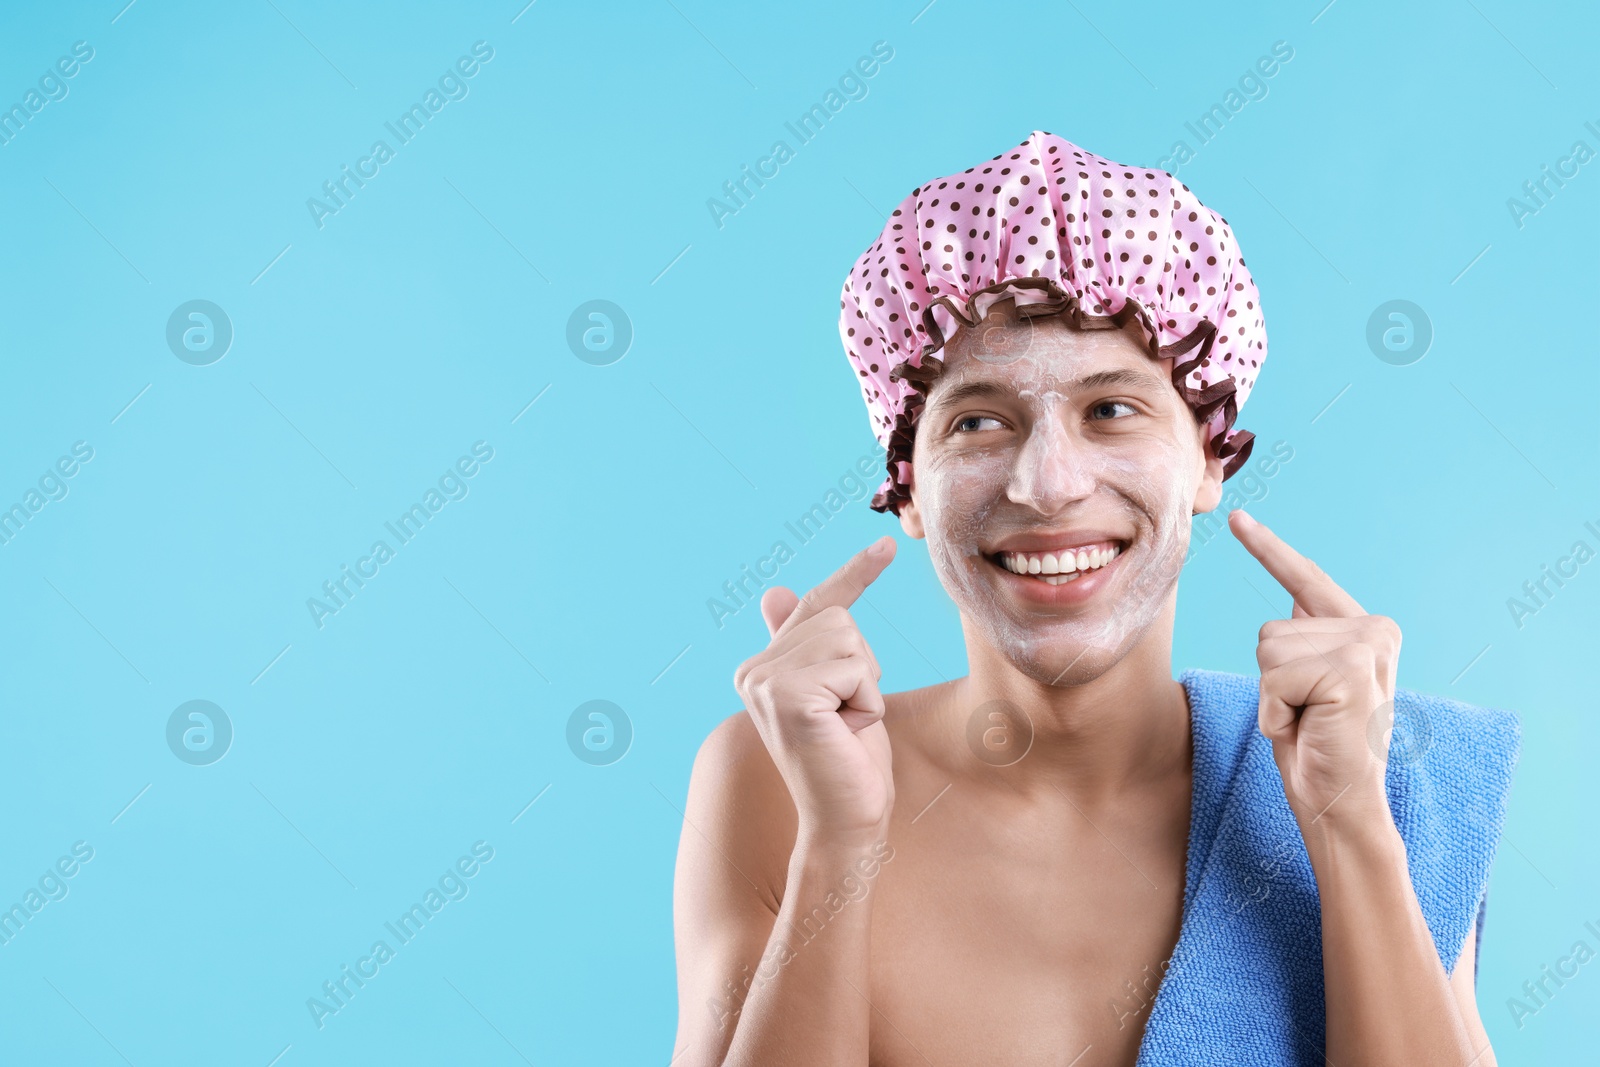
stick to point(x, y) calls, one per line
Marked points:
point(1244, 985)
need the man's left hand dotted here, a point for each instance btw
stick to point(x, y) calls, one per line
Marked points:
point(1327, 673)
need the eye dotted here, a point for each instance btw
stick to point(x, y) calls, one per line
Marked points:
point(969, 424)
point(1114, 404)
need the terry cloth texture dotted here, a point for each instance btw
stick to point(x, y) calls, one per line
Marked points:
point(1244, 985)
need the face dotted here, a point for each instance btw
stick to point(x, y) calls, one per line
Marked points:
point(1038, 439)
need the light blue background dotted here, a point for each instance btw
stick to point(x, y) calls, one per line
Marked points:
point(425, 316)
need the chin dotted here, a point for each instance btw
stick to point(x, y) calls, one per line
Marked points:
point(1055, 655)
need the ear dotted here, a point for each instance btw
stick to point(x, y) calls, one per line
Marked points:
point(910, 518)
point(1208, 494)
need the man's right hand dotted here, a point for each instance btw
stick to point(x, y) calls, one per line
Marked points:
point(813, 696)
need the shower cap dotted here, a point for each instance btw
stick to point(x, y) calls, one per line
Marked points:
point(1061, 231)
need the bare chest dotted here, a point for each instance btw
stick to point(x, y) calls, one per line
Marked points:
point(1007, 948)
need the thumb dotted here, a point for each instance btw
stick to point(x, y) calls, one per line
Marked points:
point(777, 604)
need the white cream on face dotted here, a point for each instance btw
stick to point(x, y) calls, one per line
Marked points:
point(1056, 465)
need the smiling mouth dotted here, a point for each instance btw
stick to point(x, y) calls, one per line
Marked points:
point(1061, 566)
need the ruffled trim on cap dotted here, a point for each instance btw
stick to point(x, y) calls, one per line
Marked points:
point(1231, 446)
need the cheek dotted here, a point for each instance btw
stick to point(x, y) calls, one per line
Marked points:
point(957, 494)
point(1156, 479)
point(1167, 498)
point(956, 488)
point(1161, 485)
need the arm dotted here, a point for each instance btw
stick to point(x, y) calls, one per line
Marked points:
point(1327, 680)
point(789, 802)
point(1389, 999)
point(752, 988)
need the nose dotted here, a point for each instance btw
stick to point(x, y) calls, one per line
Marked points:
point(1052, 468)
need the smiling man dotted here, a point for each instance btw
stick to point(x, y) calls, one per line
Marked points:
point(1072, 858)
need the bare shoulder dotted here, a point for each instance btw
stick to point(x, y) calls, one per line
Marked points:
point(733, 858)
point(740, 821)
point(739, 808)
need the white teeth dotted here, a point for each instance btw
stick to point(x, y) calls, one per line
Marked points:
point(1058, 567)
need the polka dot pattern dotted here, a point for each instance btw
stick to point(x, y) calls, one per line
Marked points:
point(1051, 224)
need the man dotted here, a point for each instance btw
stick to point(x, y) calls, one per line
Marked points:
point(1010, 885)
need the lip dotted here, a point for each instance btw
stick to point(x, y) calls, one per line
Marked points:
point(1056, 542)
point(1068, 594)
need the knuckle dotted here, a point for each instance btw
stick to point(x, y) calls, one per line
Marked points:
point(1357, 654)
point(758, 682)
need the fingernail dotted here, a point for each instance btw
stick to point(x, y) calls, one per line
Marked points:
point(1244, 517)
point(880, 548)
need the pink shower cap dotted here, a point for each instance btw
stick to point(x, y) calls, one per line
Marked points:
point(1062, 231)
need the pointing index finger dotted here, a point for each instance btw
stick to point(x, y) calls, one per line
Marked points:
point(843, 586)
point(1318, 595)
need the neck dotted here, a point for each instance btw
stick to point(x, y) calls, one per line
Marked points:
point(1125, 728)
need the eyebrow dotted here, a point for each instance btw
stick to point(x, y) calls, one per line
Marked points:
point(983, 389)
